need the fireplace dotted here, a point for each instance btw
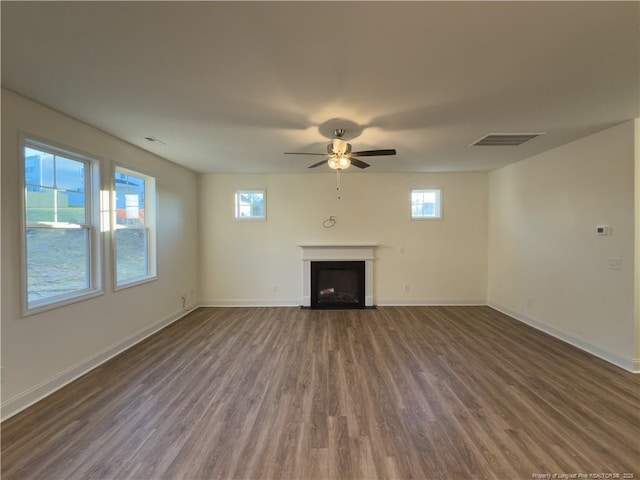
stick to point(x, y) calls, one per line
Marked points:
point(337, 284)
point(362, 254)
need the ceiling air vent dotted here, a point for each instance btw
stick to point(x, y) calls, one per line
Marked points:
point(504, 139)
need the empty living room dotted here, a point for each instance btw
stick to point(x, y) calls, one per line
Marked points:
point(317, 240)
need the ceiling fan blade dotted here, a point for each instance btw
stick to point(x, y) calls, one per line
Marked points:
point(304, 153)
point(359, 163)
point(374, 153)
point(317, 164)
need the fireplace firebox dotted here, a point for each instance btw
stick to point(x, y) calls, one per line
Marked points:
point(337, 284)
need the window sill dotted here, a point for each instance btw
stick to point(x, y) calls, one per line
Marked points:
point(44, 305)
point(135, 283)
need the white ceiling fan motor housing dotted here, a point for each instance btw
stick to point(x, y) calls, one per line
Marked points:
point(339, 147)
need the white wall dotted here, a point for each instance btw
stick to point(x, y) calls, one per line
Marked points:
point(547, 266)
point(41, 352)
point(243, 262)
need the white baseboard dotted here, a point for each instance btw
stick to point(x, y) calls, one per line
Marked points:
point(250, 303)
point(45, 388)
point(431, 303)
point(297, 303)
point(622, 361)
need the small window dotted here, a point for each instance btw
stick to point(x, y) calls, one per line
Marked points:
point(251, 205)
point(426, 204)
point(135, 227)
point(61, 241)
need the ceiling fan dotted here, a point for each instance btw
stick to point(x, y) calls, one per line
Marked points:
point(341, 156)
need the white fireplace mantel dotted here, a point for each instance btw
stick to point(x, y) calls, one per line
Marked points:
point(334, 252)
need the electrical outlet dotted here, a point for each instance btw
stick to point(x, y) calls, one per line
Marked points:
point(274, 288)
point(405, 287)
point(614, 264)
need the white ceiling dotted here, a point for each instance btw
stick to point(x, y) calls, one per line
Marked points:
point(230, 86)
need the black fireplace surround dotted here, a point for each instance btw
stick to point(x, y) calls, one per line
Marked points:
point(337, 284)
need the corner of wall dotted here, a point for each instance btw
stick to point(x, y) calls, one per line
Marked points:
point(636, 289)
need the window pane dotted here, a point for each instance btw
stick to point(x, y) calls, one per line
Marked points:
point(131, 254)
point(244, 210)
point(42, 207)
point(69, 174)
point(39, 203)
point(257, 205)
point(429, 197)
point(130, 194)
point(71, 207)
point(38, 167)
point(245, 199)
point(57, 261)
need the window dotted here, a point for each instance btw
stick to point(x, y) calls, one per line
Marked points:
point(426, 204)
point(135, 227)
point(61, 234)
point(251, 205)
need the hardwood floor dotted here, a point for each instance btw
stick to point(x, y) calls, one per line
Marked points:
point(398, 392)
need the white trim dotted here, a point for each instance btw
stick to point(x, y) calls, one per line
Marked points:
point(48, 386)
point(431, 303)
point(135, 283)
point(70, 299)
point(627, 363)
point(341, 245)
point(249, 303)
point(383, 303)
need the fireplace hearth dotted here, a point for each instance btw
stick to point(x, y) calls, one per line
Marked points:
point(337, 284)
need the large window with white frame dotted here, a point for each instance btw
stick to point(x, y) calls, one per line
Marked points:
point(135, 227)
point(426, 204)
point(61, 226)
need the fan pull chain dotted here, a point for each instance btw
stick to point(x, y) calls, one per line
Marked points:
point(338, 183)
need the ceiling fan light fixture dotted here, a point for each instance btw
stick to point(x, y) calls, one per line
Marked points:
point(340, 156)
point(339, 162)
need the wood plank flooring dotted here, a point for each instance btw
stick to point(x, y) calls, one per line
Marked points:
point(398, 392)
